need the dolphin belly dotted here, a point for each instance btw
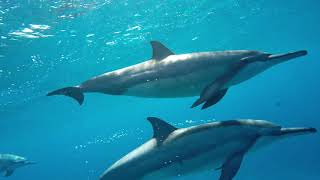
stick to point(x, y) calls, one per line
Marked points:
point(184, 85)
point(200, 163)
point(248, 72)
point(208, 161)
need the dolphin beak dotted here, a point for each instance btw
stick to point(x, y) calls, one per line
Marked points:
point(297, 131)
point(279, 58)
point(31, 163)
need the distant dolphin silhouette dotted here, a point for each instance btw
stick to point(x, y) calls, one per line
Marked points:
point(174, 152)
point(10, 162)
point(208, 74)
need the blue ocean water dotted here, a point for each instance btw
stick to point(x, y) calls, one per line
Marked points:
point(45, 45)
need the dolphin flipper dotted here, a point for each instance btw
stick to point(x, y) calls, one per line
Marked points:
point(215, 99)
point(209, 92)
point(73, 92)
point(231, 166)
point(213, 92)
point(8, 172)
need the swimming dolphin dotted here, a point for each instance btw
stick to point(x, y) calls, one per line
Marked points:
point(174, 152)
point(208, 74)
point(10, 162)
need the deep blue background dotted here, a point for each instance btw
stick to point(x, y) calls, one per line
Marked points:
point(73, 142)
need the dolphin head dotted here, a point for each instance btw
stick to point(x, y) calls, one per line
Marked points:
point(257, 62)
point(21, 161)
point(272, 59)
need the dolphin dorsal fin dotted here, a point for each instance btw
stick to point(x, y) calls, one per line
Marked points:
point(159, 51)
point(161, 129)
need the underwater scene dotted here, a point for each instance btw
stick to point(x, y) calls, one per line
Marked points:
point(152, 90)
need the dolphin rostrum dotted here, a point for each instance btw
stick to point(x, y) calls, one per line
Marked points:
point(174, 152)
point(10, 162)
point(165, 75)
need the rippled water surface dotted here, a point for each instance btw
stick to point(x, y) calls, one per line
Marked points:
point(45, 45)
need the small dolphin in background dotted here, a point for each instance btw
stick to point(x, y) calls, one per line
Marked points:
point(167, 75)
point(10, 162)
point(174, 152)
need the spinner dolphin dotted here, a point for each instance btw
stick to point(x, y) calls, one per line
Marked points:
point(10, 162)
point(166, 75)
point(174, 152)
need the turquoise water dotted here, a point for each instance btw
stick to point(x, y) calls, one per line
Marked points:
point(45, 45)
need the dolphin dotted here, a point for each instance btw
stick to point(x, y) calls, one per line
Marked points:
point(167, 75)
point(174, 152)
point(10, 162)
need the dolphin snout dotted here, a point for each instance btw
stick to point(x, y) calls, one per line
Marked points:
point(30, 162)
point(301, 53)
point(278, 58)
point(297, 131)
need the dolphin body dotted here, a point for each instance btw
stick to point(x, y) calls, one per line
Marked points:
point(165, 75)
point(174, 152)
point(10, 162)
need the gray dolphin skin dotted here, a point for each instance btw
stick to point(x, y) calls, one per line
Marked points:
point(174, 152)
point(166, 75)
point(9, 163)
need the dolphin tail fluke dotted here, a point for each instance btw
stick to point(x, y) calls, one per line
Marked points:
point(73, 92)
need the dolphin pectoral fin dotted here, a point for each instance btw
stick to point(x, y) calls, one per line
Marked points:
point(159, 51)
point(210, 91)
point(73, 92)
point(8, 172)
point(213, 93)
point(161, 129)
point(230, 168)
point(215, 99)
point(208, 96)
point(232, 165)
point(197, 102)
